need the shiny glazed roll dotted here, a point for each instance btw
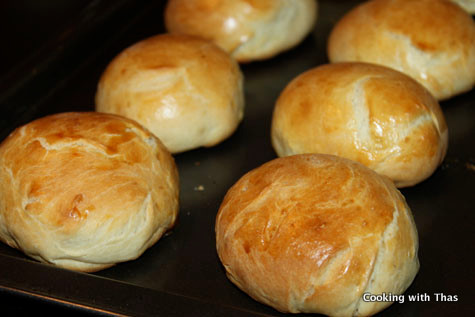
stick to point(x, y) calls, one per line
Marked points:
point(247, 29)
point(185, 90)
point(367, 113)
point(432, 41)
point(85, 191)
point(313, 233)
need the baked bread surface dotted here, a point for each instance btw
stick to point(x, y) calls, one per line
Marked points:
point(185, 90)
point(247, 29)
point(85, 191)
point(432, 41)
point(313, 233)
point(365, 112)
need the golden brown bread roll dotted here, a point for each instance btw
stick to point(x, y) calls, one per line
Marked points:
point(432, 41)
point(467, 5)
point(313, 233)
point(85, 191)
point(247, 29)
point(185, 90)
point(365, 112)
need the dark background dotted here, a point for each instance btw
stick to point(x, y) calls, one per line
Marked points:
point(52, 55)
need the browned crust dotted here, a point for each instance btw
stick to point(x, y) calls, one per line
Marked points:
point(312, 233)
point(85, 190)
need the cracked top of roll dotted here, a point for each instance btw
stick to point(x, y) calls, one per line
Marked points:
point(431, 41)
point(85, 190)
point(368, 113)
point(313, 233)
point(247, 29)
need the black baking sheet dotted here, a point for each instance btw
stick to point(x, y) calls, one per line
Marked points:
point(56, 69)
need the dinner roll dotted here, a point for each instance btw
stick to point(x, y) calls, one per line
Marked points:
point(432, 41)
point(85, 191)
point(185, 90)
point(467, 5)
point(368, 113)
point(313, 233)
point(247, 29)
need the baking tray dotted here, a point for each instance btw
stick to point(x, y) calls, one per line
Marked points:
point(56, 67)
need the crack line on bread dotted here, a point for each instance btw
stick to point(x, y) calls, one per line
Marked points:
point(381, 248)
point(89, 144)
point(249, 210)
point(404, 132)
point(362, 123)
point(421, 64)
